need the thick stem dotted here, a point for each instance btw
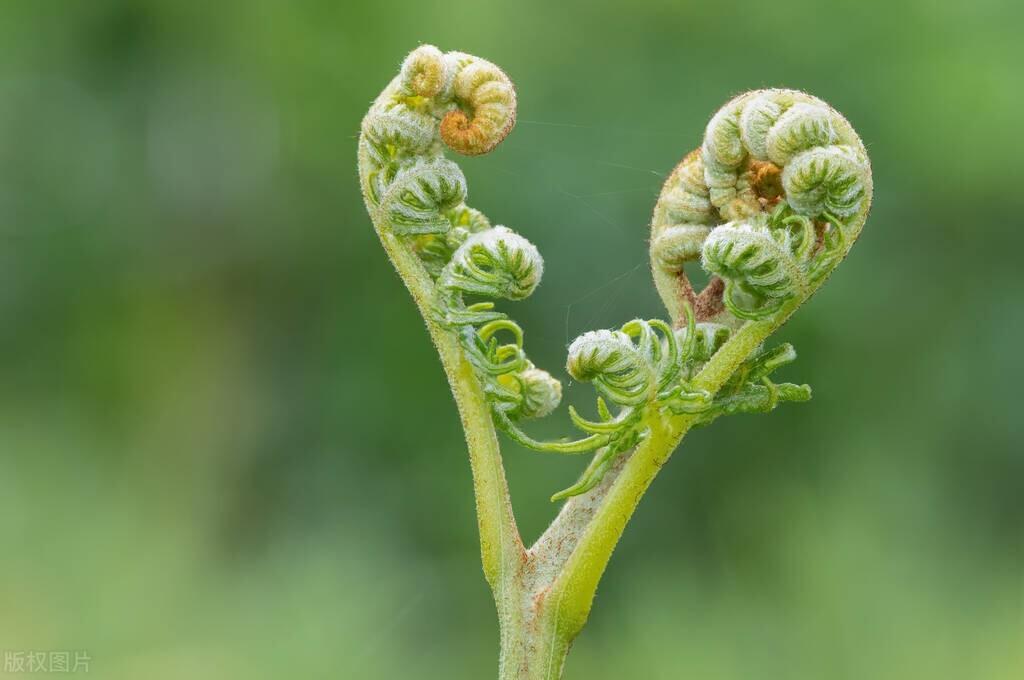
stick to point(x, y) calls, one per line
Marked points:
point(520, 580)
point(501, 548)
point(527, 654)
point(572, 592)
point(535, 641)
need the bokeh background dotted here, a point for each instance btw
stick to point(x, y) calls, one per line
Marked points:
point(227, 449)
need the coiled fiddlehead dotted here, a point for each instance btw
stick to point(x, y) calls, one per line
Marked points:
point(453, 99)
point(496, 263)
point(770, 203)
point(417, 198)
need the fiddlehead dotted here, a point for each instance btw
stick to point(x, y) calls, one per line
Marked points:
point(764, 261)
point(770, 203)
point(632, 368)
point(496, 263)
point(417, 199)
point(486, 110)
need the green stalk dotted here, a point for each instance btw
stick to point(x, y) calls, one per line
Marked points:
point(574, 589)
point(501, 548)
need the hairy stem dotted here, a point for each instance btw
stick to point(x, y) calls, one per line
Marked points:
point(576, 585)
point(501, 548)
point(574, 589)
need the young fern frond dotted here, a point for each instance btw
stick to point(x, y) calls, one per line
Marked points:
point(770, 159)
point(769, 204)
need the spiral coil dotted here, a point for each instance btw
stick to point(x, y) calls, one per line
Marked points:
point(770, 159)
point(467, 104)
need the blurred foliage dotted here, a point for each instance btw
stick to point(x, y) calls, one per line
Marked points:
point(201, 344)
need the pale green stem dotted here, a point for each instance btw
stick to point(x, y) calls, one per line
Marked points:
point(674, 291)
point(575, 586)
point(574, 589)
point(501, 548)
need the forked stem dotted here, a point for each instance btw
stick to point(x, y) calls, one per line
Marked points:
point(658, 380)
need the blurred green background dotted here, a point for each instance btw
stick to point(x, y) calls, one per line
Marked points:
point(204, 352)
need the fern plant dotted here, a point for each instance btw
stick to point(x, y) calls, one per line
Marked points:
point(768, 205)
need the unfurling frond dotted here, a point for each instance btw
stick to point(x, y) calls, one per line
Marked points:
point(770, 159)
